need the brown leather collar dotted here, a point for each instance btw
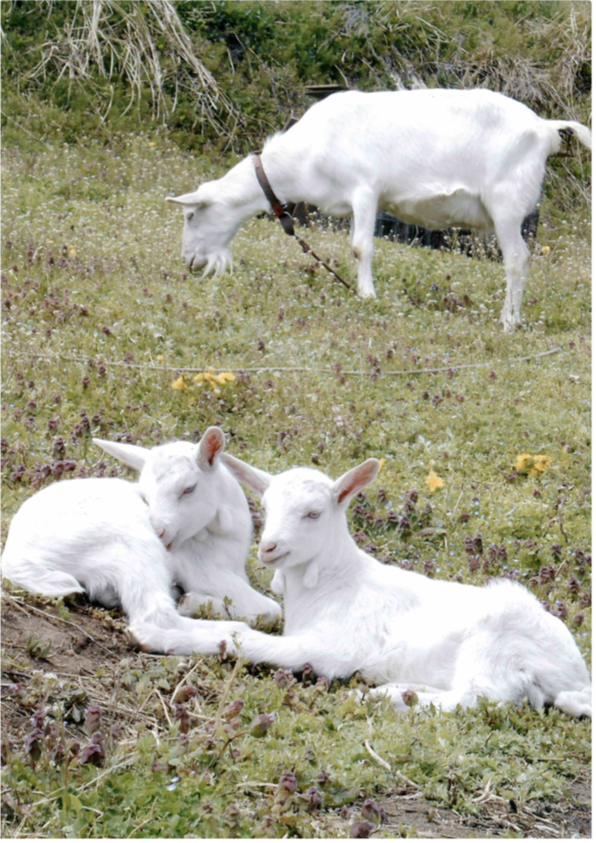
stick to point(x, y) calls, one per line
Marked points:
point(286, 220)
point(278, 209)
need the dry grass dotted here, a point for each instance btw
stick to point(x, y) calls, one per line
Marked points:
point(102, 38)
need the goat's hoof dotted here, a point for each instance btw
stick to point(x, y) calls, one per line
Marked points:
point(410, 698)
point(510, 323)
point(134, 642)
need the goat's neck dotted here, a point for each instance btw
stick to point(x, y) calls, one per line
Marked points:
point(244, 192)
point(232, 518)
point(240, 189)
point(341, 569)
point(284, 166)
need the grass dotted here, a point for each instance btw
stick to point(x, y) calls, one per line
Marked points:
point(100, 319)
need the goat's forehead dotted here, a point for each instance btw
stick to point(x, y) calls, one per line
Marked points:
point(173, 463)
point(298, 488)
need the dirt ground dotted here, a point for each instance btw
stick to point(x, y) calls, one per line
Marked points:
point(538, 819)
point(93, 638)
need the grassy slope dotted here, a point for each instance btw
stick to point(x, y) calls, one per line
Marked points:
point(91, 271)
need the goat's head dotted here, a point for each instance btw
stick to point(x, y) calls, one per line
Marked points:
point(209, 225)
point(305, 512)
point(177, 482)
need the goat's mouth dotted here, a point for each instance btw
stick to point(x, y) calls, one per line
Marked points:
point(271, 561)
point(217, 262)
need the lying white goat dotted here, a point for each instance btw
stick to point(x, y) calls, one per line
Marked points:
point(436, 158)
point(346, 612)
point(185, 521)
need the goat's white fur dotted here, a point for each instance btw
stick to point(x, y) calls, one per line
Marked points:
point(436, 158)
point(347, 612)
point(127, 543)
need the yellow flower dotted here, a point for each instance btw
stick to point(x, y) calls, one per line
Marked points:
point(225, 377)
point(532, 465)
point(541, 463)
point(522, 462)
point(72, 252)
point(214, 380)
point(545, 250)
point(433, 481)
point(179, 383)
point(382, 462)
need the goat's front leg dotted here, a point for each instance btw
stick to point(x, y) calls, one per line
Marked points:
point(192, 602)
point(364, 207)
point(292, 652)
point(189, 636)
point(245, 602)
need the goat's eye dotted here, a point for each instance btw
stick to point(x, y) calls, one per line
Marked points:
point(189, 490)
point(190, 216)
point(313, 515)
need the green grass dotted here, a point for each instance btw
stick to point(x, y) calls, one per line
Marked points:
point(100, 319)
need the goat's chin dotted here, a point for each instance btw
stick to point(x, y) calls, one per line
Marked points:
point(218, 262)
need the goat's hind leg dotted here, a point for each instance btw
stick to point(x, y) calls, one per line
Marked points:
point(44, 581)
point(516, 258)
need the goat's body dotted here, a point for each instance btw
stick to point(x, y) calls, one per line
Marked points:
point(450, 643)
point(404, 631)
point(436, 158)
point(71, 537)
point(346, 612)
point(422, 154)
point(94, 535)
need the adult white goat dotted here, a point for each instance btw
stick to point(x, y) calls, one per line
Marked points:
point(345, 612)
point(437, 158)
point(186, 521)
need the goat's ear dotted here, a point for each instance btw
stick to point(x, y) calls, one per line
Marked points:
point(188, 199)
point(210, 447)
point(350, 483)
point(132, 455)
point(254, 478)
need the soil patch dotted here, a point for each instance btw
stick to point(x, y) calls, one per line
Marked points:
point(569, 818)
point(37, 636)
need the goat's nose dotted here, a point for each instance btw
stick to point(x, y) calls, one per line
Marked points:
point(161, 533)
point(268, 547)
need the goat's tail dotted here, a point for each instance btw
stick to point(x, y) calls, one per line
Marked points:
point(575, 703)
point(582, 133)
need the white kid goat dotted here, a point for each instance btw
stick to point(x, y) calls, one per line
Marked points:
point(345, 611)
point(185, 521)
point(436, 158)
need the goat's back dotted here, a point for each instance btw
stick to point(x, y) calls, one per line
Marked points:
point(71, 521)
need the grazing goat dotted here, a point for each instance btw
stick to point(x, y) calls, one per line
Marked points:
point(436, 158)
point(186, 521)
point(344, 611)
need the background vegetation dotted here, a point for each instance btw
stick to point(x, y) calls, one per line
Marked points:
point(104, 332)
